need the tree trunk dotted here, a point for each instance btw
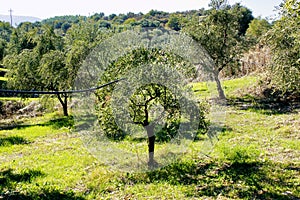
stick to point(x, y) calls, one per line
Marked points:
point(151, 144)
point(65, 109)
point(219, 86)
point(64, 103)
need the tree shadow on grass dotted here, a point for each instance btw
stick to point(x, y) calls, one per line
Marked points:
point(9, 180)
point(267, 106)
point(43, 194)
point(56, 123)
point(60, 122)
point(236, 180)
point(12, 140)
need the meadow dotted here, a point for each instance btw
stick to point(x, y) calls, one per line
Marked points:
point(256, 156)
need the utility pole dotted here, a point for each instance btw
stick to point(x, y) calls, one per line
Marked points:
point(10, 13)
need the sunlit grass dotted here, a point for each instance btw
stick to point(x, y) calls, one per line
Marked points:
point(208, 89)
point(256, 156)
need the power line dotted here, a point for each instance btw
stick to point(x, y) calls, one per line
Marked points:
point(59, 92)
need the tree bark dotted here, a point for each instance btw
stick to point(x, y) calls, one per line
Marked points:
point(64, 103)
point(151, 144)
point(219, 86)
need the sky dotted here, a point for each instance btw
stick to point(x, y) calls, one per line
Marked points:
point(50, 8)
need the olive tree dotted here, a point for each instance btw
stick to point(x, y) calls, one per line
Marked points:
point(145, 99)
point(220, 32)
point(55, 76)
point(284, 40)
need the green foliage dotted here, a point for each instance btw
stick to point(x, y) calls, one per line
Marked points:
point(218, 4)
point(130, 21)
point(149, 23)
point(48, 103)
point(51, 63)
point(47, 41)
point(244, 17)
point(218, 33)
point(105, 24)
point(38, 58)
point(146, 97)
point(221, 32)
point(63, 23)
point(107, 122)
point(284, 40)
point(21, 40)
point(3, 44)
point(257, 28)
point(5, 31)
point(23, 70)
point(174, 23)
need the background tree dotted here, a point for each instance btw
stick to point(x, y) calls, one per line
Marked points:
point(20, 40)
point(23, 70)
point(5, 31)
point(174, 23)
point(47, 41)
point(3, 44)
point(54, 76)
point(257, 28)
point(218, 4)
point(284, 41)
point(244, 16)
point(219, 32)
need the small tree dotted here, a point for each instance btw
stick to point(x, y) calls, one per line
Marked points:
point(145, 98)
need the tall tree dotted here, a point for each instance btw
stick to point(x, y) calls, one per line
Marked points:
point(219, 32)
point(284, 40)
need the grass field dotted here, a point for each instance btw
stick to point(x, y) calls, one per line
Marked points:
point(257, 156)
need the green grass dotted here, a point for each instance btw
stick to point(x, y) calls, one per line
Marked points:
point(230, 87)
point(256, 157)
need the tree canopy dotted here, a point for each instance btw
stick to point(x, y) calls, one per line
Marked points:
point(221, 32)
point(284, 40)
